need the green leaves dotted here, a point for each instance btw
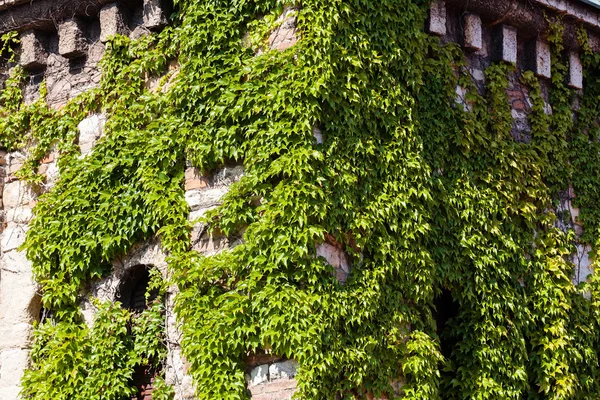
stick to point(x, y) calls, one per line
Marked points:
point(418, 192)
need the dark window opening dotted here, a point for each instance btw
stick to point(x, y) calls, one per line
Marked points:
point(132, 291)
point(132, 295)
point(445, 311)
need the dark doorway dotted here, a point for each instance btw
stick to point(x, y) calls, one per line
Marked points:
point(445, 311)
point(132, 295)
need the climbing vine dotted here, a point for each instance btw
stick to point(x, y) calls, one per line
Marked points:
point(426, 195)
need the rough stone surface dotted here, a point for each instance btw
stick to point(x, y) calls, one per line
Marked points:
point(259, 375)
point(17, 194)
point(283, 370)
point(195, 180)
point(33, 53)
point(13, 236)
point(112, 21)
point(337, 258)
point(437, 18)
point(575, 71)
point(71, 39)
point(14, 161)
point(90, 130)
point(285, 35)
point(542, 66)
point(583, 264)
point(154, 14)
point(274, 381)
point(507, 37)
point(13, 363)
point(473, 32)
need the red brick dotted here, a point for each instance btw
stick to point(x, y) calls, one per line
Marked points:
point(518, 105)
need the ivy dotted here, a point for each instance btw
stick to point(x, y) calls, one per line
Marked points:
point(424, 193)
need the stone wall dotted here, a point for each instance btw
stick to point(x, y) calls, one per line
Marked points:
point(516, 32)
point(63, 41)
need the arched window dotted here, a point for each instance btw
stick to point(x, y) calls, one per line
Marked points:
point(132, 295)
point(132, 290)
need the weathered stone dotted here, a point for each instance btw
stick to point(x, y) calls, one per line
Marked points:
point(205, 198)
point(17, 335)
point(507, 44)
point(15, 262)
point(19, 299)
point(575, 71)
point(17, 194)
point(154, 14)
point(194, 180)
point(283, 370)
point(559, 5)
point(138, 32)
point(437, 18)
point(15, 161)
point(583, 264)
point(258, 375)
point(90, 130)
point(542, 59)
point(13, 363)
point(337, 258)
point(473, 33)
point(113, 21)
point(13, 236)
point(285, 35)
point(274, 390)
point(33, 52)
point(71, 39)
point(176, 372)
point(461, 98)
point(52, 174)
point(227, 175)
point(19, 215)
point(318, 134)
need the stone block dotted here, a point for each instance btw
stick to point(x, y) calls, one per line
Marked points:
point(583, 263)
point(582, 13)
point(12, 237)
point(506, 37)
point(437, 18)
point(558, 5)
point(274, 390)
point(9, 392)
point(541, 59)
point(318, 134)
point(227, 175)
point(194, 180)
point(19, 215)
point(33, 52)
point(575, 71)
point(154, 14)
point(205, 198)
point(113, 21)
point(17, 194)
point(337, 258)
point(71, 39)
point(15, 262)
point(285, 35)
point(13, 363)
point(15, 335)
point(15, 161)
point(90, 130)
point(283, 370)
point(258, 375)
point(19, 300)
point(473, 32)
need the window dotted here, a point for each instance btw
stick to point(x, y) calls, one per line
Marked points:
point(132, 295)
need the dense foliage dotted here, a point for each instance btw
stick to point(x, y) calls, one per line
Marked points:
point(426, 195)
